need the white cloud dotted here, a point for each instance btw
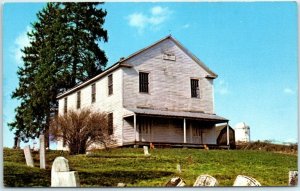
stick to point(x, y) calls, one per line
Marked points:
point(222, 87)
point(158, 10)
point(288, 91)
point(21, 41)
point(158, 15)
point(137, 20)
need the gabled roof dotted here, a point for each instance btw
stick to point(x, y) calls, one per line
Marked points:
point(197, 60)
point(92, 80)
point(220, 127)
point(122, 63)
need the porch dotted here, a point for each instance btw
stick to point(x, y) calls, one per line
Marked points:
point(181, 145)
point(177, 129)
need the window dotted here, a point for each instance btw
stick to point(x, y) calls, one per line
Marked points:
point(195, 88)
point(66, 105)
point(110, 84)
point(110, 124)
point(78, 100)
point(144, 82)
point(93, 93)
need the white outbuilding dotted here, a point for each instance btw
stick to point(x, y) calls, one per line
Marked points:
point(242, 133)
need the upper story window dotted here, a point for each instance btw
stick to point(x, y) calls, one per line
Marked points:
point(78, 99)
point(93, 94)
point(195, 92)
point(110, 124)
point(66, 105)
point(144, 82)
point(110, 84)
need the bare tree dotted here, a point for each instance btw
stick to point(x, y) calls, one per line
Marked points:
point(80, 129)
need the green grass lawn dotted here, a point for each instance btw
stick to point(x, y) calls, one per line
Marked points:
point(130, 166)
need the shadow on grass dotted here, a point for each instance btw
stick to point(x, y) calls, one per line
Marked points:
point(112, 178)
point(17, 175)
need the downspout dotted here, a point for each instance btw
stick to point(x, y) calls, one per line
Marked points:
point(227, 134)
point(134, 126)
point(184, 130)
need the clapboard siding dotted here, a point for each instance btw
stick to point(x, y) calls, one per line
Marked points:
point(128, 131)
point(169, 81)
point(167, 131)
point(104, 102)
point(169, 89)
point(171, 131)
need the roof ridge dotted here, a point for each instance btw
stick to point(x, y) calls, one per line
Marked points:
point(122, 62)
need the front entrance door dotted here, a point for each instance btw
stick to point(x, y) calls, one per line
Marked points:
point(145, 129)
point(198, 135)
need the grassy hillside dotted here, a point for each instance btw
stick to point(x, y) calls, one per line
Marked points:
point(130, 166)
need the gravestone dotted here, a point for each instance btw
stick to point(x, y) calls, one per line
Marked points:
point(120, 184)
point(293, 178)
point(16, 143)
point(206, 180)
point(88, 153)
point(146, 152)
point(176, 182)
point(28, 157)
point(42, 152)
point(61, 176)
point(242, 180)
point(34, 147)
point(178, 168)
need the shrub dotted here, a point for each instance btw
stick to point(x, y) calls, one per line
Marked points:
point(81, 129)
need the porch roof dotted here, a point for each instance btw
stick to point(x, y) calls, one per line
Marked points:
point(180, 114)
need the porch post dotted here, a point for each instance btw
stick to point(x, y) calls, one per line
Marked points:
point(227, 134)
point(184, 130)
point(134, 126)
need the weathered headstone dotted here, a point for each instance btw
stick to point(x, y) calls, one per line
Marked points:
point(34, 147)
point(88, 153)
point(242, 180)
point(146, 152)
point(178, 168)
point(16, 143)
point(28, 157)
point(61, 176)
point(176, 182)
point(120, 184)
point(42, 152)
point(293, 178)
point(206, 180)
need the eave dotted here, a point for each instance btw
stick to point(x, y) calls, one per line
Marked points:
point(94, 79)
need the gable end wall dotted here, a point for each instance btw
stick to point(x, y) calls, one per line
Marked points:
point(169, 81)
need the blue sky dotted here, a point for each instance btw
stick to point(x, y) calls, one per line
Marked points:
point(251, 46)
